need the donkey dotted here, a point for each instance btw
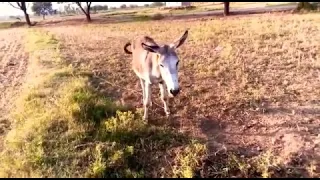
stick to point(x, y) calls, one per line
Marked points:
point(156, 64)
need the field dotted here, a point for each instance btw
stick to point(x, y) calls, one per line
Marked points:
point(249, 104)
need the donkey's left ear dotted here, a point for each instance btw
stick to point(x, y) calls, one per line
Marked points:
point(177, 43)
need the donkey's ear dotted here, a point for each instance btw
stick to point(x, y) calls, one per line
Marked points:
point(152, 48)
point(177, 43)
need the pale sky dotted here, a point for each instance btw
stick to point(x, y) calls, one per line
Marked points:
point(7, 10)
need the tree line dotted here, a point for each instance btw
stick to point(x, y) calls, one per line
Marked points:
point(45, 8)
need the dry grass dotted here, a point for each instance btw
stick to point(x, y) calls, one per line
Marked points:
point(250, 87)
point(240, 77)
point(148, 13)
point(13, 63)
point(62, 127)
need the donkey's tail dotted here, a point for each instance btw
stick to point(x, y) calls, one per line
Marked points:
point(125, 48)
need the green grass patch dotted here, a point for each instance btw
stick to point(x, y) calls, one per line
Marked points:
point(275, 4)
point(6, 25)
point(64, 128)
point(156, 16)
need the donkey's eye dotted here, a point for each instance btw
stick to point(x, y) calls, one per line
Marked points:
point(161, 65)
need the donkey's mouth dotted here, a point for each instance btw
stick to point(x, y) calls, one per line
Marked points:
point(170, 95)
point(173, 93)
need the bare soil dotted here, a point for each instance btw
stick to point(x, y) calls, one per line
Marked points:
point(265, 98)
point(12, 70)
point(284, 120)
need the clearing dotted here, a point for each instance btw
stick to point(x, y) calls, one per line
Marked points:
point(250, 97)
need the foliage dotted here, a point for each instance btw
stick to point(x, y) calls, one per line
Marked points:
point(157, 4)
point(306, 6)
point(41, 8)
point(100, 8)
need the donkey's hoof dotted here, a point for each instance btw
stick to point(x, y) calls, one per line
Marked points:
point(145, 118)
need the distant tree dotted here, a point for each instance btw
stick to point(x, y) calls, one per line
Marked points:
point(123, 6)
point(99, 8)
point(22, 6)
point(226, 8)
point(306, 6)
point(41, 8)
point(105, 7)
point(133, 5)
point(146, 5)
point(85, 9)
point(157, 4)
point(15, 17)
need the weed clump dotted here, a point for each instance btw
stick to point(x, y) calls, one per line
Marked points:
point(157, 16)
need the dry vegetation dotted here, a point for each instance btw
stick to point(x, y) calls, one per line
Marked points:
point(249, 105)
point(13, 62)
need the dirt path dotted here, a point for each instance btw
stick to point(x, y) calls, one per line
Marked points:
point(12, 68)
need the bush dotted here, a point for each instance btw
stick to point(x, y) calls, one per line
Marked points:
point(157, 16)
point(157, 4)
point(306, 6)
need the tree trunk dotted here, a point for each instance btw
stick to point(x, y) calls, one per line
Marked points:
point(226, 8)
point(43, 17)
point(88, 16)
point(88, 12)
point(26, 15)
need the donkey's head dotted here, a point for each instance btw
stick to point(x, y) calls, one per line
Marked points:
point(168, 60)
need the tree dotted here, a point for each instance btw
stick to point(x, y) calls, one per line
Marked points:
point(99, 7)
point(41, 8)
point(133, 6)
point(85, 9)
point(157, 4)
point(306, 6)
point(22, 6)
point(226, 8)
point(123, 6)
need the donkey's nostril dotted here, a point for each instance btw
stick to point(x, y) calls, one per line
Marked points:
point(175, 92)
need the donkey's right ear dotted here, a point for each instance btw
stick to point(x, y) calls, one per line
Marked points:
point(153, 48)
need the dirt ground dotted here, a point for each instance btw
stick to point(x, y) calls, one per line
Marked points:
point(12, 69)
point(287, 124)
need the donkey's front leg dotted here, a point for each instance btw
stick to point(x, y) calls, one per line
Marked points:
point(164, 98)
point(147, 99)
point(143, 90)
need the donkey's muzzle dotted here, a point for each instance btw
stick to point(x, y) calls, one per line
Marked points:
point(174, 92)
